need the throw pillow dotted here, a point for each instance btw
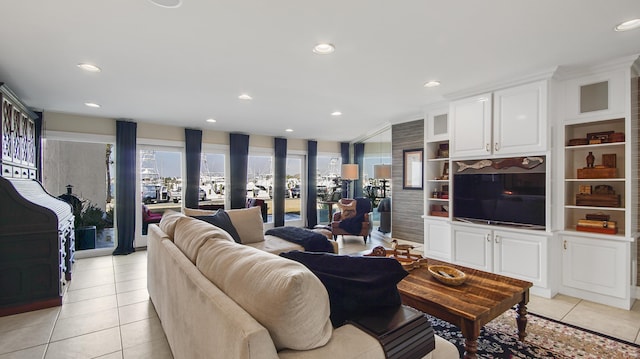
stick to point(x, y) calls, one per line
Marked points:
point(356, 285)
point(221, 220)
point(248, 223)
point(347, 210)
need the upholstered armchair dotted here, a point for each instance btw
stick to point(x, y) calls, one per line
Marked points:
point(354, 218)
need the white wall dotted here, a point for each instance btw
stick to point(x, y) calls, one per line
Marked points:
point(80, 164)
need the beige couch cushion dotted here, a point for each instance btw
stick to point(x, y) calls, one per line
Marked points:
point(197, 212)
point(283, 295)
point(276, 245)
point(168, 222)
point(192, 233)
point(248, 223)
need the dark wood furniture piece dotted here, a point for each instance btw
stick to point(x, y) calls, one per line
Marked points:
point(483, 297)
point(36, 246)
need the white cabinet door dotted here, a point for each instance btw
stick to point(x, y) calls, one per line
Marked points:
point(521, 256)
point(520, 119)
point(595, 265)
point(472, 247)
point(470, 121)
point(437, 241)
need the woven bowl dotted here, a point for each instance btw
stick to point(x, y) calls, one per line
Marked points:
point(447, 275)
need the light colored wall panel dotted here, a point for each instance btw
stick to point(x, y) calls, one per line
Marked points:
point(64, 122)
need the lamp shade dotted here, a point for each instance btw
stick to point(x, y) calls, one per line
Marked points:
point(382, 171)
point(349, 171)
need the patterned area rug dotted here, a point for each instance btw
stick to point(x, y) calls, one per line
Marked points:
point(546, 338)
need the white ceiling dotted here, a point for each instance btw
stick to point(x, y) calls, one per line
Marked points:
point(181, 66)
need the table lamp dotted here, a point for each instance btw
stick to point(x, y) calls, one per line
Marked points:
point(383, 173)
point(349, 172)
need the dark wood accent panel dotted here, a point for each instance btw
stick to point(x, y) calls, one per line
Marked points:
point(407, 204)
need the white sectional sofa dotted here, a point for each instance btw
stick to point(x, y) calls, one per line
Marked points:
point(220, 299)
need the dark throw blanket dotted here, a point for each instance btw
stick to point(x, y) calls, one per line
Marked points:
point(310, 240)
point(353, 224)
point(356, 285)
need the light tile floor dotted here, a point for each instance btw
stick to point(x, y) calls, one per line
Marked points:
point(106, 313)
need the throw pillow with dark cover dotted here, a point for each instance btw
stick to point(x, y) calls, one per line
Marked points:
point(221, 219)
point(356, 285)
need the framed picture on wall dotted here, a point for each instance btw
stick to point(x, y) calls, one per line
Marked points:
point(412, 169)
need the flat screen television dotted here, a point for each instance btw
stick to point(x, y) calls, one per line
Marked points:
point(500, 198)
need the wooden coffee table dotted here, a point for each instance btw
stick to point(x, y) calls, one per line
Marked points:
point(483, 297)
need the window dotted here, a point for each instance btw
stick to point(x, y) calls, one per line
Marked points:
point(260, 181)
point(212, 180)
point(160, 182)
point(328, 184)
point(294, 193)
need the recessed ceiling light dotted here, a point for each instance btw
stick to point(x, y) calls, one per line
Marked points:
point(92, 104)
point(211, 120)
point(289, 130)
point(167, 3)
point(336, 113)
point(89, 67)
point(628, 25)
point(244, 96)
point(432, 84)
point(324, 49)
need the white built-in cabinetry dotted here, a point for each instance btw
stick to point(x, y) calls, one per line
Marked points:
point(597, 266)
point(515, 253)
point(505, 122)
point(437, 226)
point(511, 120)
point(517, 121)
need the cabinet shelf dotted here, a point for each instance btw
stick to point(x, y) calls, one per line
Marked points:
point(438, 181)
point(439, 199)
point(572, 231)
point(438, 159)
point(595, 179)
point(597, 145)
point(573, 206)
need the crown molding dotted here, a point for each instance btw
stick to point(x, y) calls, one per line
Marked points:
point(498, 85)
point(374, 132)
point(625, 62)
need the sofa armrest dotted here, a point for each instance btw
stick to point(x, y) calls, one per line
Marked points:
point(347, 341)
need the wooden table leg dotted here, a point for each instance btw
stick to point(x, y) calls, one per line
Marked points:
point(521, 319)
point(471, 348)
point(471, 331)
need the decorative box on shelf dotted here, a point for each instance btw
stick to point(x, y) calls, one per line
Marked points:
point(438, 211)
point(598, 200)
point(586, 173)
point(596, 226)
